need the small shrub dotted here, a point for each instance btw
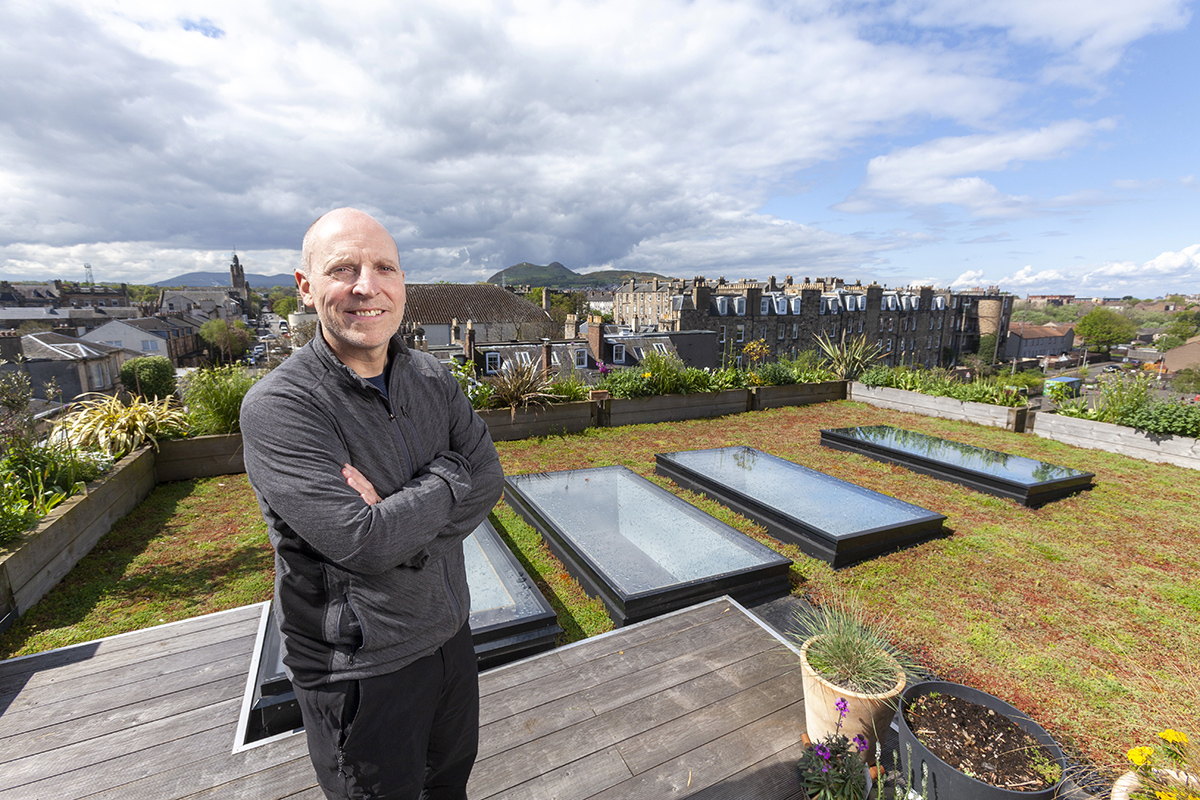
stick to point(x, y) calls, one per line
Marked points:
point(149, 376)
point(213, 398)
point(776, 373)
point(570, 388)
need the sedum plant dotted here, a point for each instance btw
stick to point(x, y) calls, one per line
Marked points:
point(106, 424)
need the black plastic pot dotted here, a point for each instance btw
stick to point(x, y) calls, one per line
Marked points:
point(944, 782)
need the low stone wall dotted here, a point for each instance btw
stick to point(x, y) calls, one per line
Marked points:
point(1013, 419)
point(1179, 450)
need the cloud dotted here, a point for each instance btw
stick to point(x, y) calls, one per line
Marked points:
point(936, 173)
point(1177, 271)
point(1086, 37)
point(626, 132)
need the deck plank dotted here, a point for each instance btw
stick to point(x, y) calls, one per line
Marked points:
point(700, 703)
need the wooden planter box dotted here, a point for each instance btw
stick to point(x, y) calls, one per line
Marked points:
point(38, 560)
point(1179, 450)
point(1013, 419)
point(549, 420)
point(199, 457)
point(673, 407)
point(798, 394)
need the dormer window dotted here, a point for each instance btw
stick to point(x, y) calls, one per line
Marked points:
point(781, 305)
point(491, 363)
point(618, 354)
point(739, 306)
point(764, 306)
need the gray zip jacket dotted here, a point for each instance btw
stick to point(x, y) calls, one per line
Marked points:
point(365, 590)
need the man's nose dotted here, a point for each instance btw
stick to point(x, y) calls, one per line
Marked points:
point(367, 284)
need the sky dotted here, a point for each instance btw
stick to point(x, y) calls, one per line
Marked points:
point(1042, 146)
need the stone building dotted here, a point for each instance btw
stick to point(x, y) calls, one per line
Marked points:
point(913, 326)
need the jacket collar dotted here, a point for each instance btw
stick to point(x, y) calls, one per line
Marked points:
point(398, 356)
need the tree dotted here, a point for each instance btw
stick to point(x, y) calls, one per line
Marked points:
point(1103, 327)
point(233, 340)
point(987, 348)
point(149, 376)
point(284, 305)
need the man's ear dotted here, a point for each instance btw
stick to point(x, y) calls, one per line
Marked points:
point(305, 288)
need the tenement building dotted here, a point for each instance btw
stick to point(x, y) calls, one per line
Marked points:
point(913, 326)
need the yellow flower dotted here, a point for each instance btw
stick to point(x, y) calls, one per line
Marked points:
point(645, 374)
point(1140, 755)
point(1174, 737)
point(1166, 795)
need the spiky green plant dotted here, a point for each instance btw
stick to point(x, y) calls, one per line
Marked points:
point(849, 650)
point(847, 358)
point(520, 385)
point(106, 424)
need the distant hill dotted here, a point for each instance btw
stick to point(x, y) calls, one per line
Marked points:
point(556, 276)
point(220, 280)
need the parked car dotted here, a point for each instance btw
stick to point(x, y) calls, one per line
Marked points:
point(1112, 368)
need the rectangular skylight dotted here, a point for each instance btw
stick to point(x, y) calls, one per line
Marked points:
point(1025, 480)
point(640, 548)
point(828, 518)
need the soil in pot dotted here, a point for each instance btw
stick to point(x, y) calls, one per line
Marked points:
point(980, 743)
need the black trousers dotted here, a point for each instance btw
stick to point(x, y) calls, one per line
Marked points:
point(410, 734)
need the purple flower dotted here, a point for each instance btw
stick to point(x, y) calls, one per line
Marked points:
point(860, 742)
point(823, 751)
point(841, 706)
point(604, 370)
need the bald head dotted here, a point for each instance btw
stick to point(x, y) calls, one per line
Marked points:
point(329, 224)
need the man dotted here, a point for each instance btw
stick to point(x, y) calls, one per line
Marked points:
point(371, 468)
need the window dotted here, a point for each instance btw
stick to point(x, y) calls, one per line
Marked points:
point(721, 335)
point(795, 305)
point(891, 325)
point(149, 345)
point(722, 305)
point(523, 358)
point(795, 330)
point(492, 363)
point(782, 328)
point(618, 354)
point(639, 353)
point(764, 306)
point(554, 357)
point(860, 324)
point(581, 359)
point(739, 306)
point(781, 305)
point(115, 344)
point(939, 323)
point(660, 347)
point(862, 302)
point(823, 308)
point(741, 333)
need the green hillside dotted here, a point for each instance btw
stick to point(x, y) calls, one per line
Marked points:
point(556, 276)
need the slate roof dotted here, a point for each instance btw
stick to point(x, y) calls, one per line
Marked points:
point(1036, 331)
point(440, 303)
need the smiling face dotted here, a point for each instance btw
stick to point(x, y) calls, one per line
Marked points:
point(355, 283)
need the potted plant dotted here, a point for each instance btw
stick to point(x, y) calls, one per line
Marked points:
point(1165, 772)
point(835, 767)
point(958, 742)
point(852, 673)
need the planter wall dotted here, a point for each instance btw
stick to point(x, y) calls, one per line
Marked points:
point(1013, 419)
point(1179, 450)
point(34, 564)
point(200, 457)
point(38, 560)
point(673, 407)
point(800, 394)
point(506, 426)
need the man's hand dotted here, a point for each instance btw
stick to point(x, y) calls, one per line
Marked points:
point(359, 483)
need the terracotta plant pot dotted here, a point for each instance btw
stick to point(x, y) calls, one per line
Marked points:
point(866, 714)
point(1129, 783)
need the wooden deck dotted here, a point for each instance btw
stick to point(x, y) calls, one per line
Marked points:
point(703, 703)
